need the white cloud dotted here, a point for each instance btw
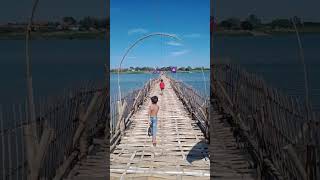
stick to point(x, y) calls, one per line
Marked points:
point(137, 31)
point(173, 43)
point(179, 53)
point(193, 35)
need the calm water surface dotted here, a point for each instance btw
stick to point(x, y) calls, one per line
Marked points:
point(197, 80)
point(276, 59)
point(130, 82)
point(56, 64)
point(60, 63)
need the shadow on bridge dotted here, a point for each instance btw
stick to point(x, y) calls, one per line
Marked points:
point(198, 152)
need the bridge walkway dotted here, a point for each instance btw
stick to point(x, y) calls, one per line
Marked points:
point(181, 150)
point(228, 161)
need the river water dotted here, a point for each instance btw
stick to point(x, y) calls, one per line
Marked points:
point(129, 82)
point(58, 64)
point(277, 60)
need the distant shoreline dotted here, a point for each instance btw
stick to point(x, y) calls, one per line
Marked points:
point(147, 72)
point(54, 35)
point(263, 33)
point(83, 35)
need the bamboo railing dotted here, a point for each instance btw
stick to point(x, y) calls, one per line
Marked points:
point(66, 127)
point(197, 105)
point(272, 126)
point(122, 111)
point(13, 162)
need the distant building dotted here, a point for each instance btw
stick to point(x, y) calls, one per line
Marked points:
point(74, 28)
point(173, 69)
point(12, 27)
point(59, 27)
point(93, 29)
point(12, 23)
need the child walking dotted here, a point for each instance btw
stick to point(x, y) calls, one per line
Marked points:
point(153, 112)
point(162, 86)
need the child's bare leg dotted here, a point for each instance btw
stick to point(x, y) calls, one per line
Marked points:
point(154, 138)
point(154, 141)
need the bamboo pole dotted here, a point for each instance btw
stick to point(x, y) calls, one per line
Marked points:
point(2, 145)
point(296, 161)
point(133, 45)
point(9, 155)
point(84, 118)
point(17, 145)
point(63, 168)
point(30, 130)
point(311, 168)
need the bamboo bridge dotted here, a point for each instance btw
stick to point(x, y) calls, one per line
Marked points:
point(180, 142)
point(246, 130)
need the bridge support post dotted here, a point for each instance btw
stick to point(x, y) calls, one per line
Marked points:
point(120, 109)
point(81, 135)
point(36, 151)
point(311, 164)
point(83, 143)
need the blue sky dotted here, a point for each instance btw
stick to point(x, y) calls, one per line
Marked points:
point(267, 10)
point(19, 10)
point(130, 20)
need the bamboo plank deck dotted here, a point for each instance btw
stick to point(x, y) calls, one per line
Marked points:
point(228, 161)
point(181, 151)
point(94, 166)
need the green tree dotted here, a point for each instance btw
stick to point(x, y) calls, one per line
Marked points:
point(297, 21)
point(231, 23)
point(281, 23)
point(253, 20)
point(189, 68)
point(89, 22)
point(246, 25)
point(225, 24)
point(69, 20)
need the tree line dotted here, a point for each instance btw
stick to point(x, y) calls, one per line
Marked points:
point(168, 68)
point(86, 22)
point(67, 22)
point(252, 22)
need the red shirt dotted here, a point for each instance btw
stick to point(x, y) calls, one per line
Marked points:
point(162, 85)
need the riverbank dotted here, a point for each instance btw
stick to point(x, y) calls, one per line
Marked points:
point(265, 32)
point(54, 35)
point(102, 34)
point(148, 72)
point(130, 72)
